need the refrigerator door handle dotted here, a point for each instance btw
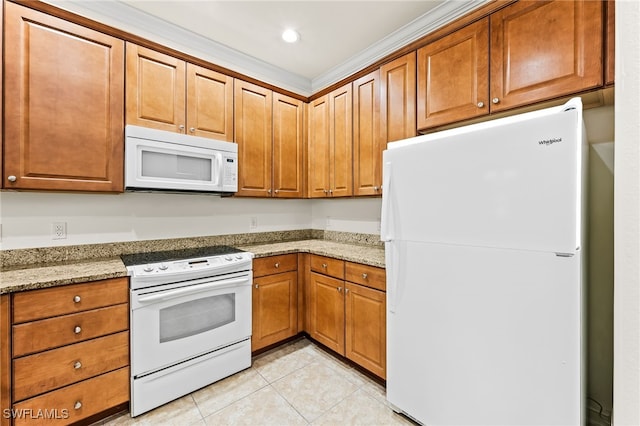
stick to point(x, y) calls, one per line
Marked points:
point(386, 231)
point(391, 259)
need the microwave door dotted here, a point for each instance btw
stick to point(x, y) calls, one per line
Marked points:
point(185, 169)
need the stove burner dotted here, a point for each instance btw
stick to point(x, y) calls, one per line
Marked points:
point(179, 254)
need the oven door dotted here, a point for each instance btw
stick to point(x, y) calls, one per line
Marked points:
point(175, 322)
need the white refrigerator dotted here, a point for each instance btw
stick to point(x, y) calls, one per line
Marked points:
point(484, 246)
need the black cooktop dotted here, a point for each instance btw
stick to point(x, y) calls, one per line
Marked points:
point(180, 254)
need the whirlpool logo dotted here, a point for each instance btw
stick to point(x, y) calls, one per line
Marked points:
point(547, 142)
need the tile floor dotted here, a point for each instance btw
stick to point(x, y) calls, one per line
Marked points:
point(294, 384)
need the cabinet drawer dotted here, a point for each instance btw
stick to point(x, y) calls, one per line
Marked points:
point(327, 266)
point(76, 402)
point(46, 334)
point(51, 302)
point(275, 264)
point(369, 276)
point(46, 371)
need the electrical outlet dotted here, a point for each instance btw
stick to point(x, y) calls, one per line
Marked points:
point(254, 223)
point(59, 230)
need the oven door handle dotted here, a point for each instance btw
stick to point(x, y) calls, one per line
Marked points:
point(192, 290)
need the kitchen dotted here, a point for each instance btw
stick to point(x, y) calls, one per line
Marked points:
point(105, 218)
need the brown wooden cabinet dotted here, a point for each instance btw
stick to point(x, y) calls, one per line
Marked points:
point(367, 145)
point(398, 99)
point(275, 300)
point(330, 144)
point(63, 105)
point(167, 93)
point(70, 350)
point(453, 76)
point(347, 310)
point(610, 40)
point(536, 50)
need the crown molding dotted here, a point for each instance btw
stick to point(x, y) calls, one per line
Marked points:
point(446, 12)
point(127, 18)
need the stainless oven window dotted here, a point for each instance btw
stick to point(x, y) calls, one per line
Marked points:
point(196, 316)
point(176, 166)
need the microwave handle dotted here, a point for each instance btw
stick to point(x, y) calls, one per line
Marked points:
point(220, 171)
point(192, 290)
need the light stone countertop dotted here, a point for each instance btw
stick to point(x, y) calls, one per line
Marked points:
point(71, 272)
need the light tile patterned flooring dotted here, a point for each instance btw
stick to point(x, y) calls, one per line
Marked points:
point(295, 384)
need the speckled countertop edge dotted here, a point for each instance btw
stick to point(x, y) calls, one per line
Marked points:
point(36, 276)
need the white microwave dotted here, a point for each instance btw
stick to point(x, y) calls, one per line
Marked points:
point(157, 160)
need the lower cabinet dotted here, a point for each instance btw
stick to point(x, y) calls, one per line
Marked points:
point(347, 310)
point(70, 351)
point(275, 300)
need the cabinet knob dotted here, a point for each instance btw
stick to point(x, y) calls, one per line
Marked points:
point(325, 191)
point(376, 188)
point(277, 265)
point(192, 129)
point(276, 191)
point(77, 330)
point(346, 290)
point(269, 191)
point(256, 286)
point(76, 299)
point(181, 127)
point(331, 191)
point(495, 100)
point(77, 405)
point(364, 275)
point(324, 265)
point(12, 178)
point(339, 289)
point(77, 365)
point(480, 104)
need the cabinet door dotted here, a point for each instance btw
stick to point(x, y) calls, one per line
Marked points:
point(275, 309)
point(288, 144)
point(341, 142)
point(209, 103)
point(366, 328)
point(453, 77)
point(326, 306)
point(64, 105)
point(367, 149)
point(541, 50)
point(609, 72)
point(253, 111)
point(155, 89)
point(319, 151)
point(398, 99)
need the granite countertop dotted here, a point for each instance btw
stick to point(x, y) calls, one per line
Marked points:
point(62, 273)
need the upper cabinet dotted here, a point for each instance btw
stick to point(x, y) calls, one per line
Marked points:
point(167, 93)
point(331, 144)
point(367, 145)
point(64, 105)
point(610, 33)
point(536, 50)
point(288, 147)
point(453, 76)
point(398, 99)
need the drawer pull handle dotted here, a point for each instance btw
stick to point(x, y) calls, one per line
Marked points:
point(324, 265)
point(77, 365)
point(77, 330)
point(277, 265)
point(364, 275)
point(77, 405)
point(77, 299)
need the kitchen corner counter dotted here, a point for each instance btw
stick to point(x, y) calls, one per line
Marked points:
point(43, 275)
point(51, 275)
point(364, 254)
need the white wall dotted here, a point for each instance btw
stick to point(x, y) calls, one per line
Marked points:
point(360, 215)
point(26, 217)
point(626, 375)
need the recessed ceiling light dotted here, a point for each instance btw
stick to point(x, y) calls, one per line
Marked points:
point(290, 36)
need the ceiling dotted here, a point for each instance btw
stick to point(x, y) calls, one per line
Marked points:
point(337, 38)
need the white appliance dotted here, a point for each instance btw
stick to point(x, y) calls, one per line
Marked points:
point(483, 231)
point(157, 160)
point(190, 321)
